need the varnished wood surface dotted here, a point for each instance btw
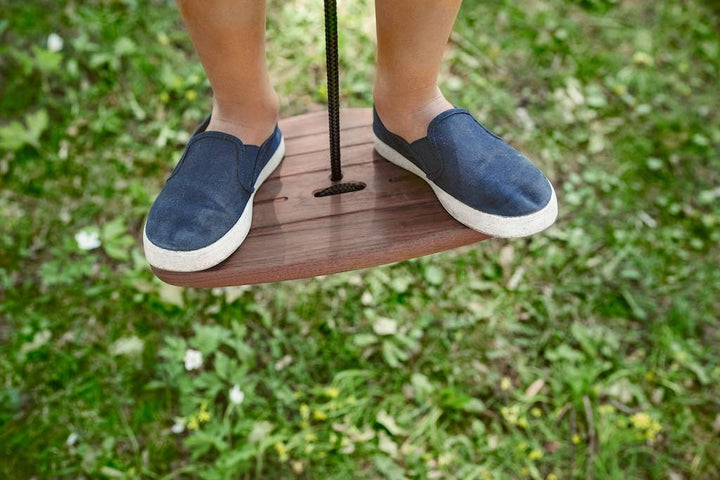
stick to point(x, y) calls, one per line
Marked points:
point(297, 235)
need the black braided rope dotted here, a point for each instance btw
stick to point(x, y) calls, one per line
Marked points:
point(333, 88)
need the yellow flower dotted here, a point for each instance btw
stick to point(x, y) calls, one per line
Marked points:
point(163, 39)
point(536, 412)
point(319, 415)
point(653, 430)
point(193, 423)
point(642, 58)
point(505, 384)
point(445, 458)
point(281, 450)
point(191, 95)
point(304, 424)
point(522, 422)
point(619, 89)
point(535, 454)
point(203, 416)
point(576, 439)
point(641, 421)
point(510, 414)
point(304, 410)
point(551, 476)
point(331, 392)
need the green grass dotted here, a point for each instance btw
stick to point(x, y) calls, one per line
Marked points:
point(590, 351)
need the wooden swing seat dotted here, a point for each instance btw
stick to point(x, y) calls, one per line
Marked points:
point(297, 235)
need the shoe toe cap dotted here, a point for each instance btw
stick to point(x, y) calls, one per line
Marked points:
point(483, 171)
point(507, 185)
point(188, 220)
point(522, 190)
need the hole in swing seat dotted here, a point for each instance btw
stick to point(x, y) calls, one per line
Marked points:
point(399, 178)
point(339, 188)
point(271, 200)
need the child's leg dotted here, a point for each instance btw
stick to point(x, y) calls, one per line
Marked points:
point(412, 35)
point(229, 36)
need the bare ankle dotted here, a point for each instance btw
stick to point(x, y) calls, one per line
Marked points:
point(408, 112)
point(250, 119)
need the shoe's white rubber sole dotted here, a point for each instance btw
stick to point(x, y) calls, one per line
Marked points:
point(216, 252)
point(494, 225)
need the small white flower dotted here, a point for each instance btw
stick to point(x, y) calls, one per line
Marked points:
point(178, 427)
point(54, 42)
point(63, 151)
point(236, 395)
point(72, 439)
point(87, 239)
point(283, 362)
point(367, 298)
point(193, 359)
point(385, 326)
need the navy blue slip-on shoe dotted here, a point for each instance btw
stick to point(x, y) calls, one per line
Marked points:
point(204, 211)
point(479, 179)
